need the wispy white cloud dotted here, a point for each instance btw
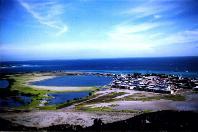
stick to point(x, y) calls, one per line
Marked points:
point(47, 13)
point(157, 16)
point(136, 36)
point(187, 36)
point(135, 28)
point(155, 8)
point(146, 28)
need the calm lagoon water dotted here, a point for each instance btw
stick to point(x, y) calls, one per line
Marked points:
point(63, 97)
point(75, 81)
point(15, 101)
point(12, 101)
point(4, 83)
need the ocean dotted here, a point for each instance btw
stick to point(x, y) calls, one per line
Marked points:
point(181, 66)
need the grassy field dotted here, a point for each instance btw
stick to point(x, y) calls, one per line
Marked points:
point(156, 97)
point(106, 98)
point(92, 100)
point(89, 105)
point(107, 109)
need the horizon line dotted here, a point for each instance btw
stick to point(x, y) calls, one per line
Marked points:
point(96, 58)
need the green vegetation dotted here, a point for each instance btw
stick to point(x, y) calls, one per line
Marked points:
point(91, 109)
point(107, 109)
point(140, 98)
point(48, 107)
point(135, 111)
point(128, 111)
point(17, 87)
point(135, 97)
point(196, 92)
point(174, 97)
point(147, 111)
point(106, 98)
point(92, 100)
point(113, 105)
point(19, 84)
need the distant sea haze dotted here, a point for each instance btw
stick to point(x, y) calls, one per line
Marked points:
point(184, 66)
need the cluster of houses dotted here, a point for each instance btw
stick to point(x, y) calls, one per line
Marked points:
point(152, 82)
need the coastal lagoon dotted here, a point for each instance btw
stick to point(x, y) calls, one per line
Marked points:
point(77, 86)
point(59, 98)
point(75, 81)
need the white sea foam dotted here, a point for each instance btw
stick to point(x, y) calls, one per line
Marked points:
point(18, 66)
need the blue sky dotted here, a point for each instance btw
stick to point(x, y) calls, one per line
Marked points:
point(80, 29)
